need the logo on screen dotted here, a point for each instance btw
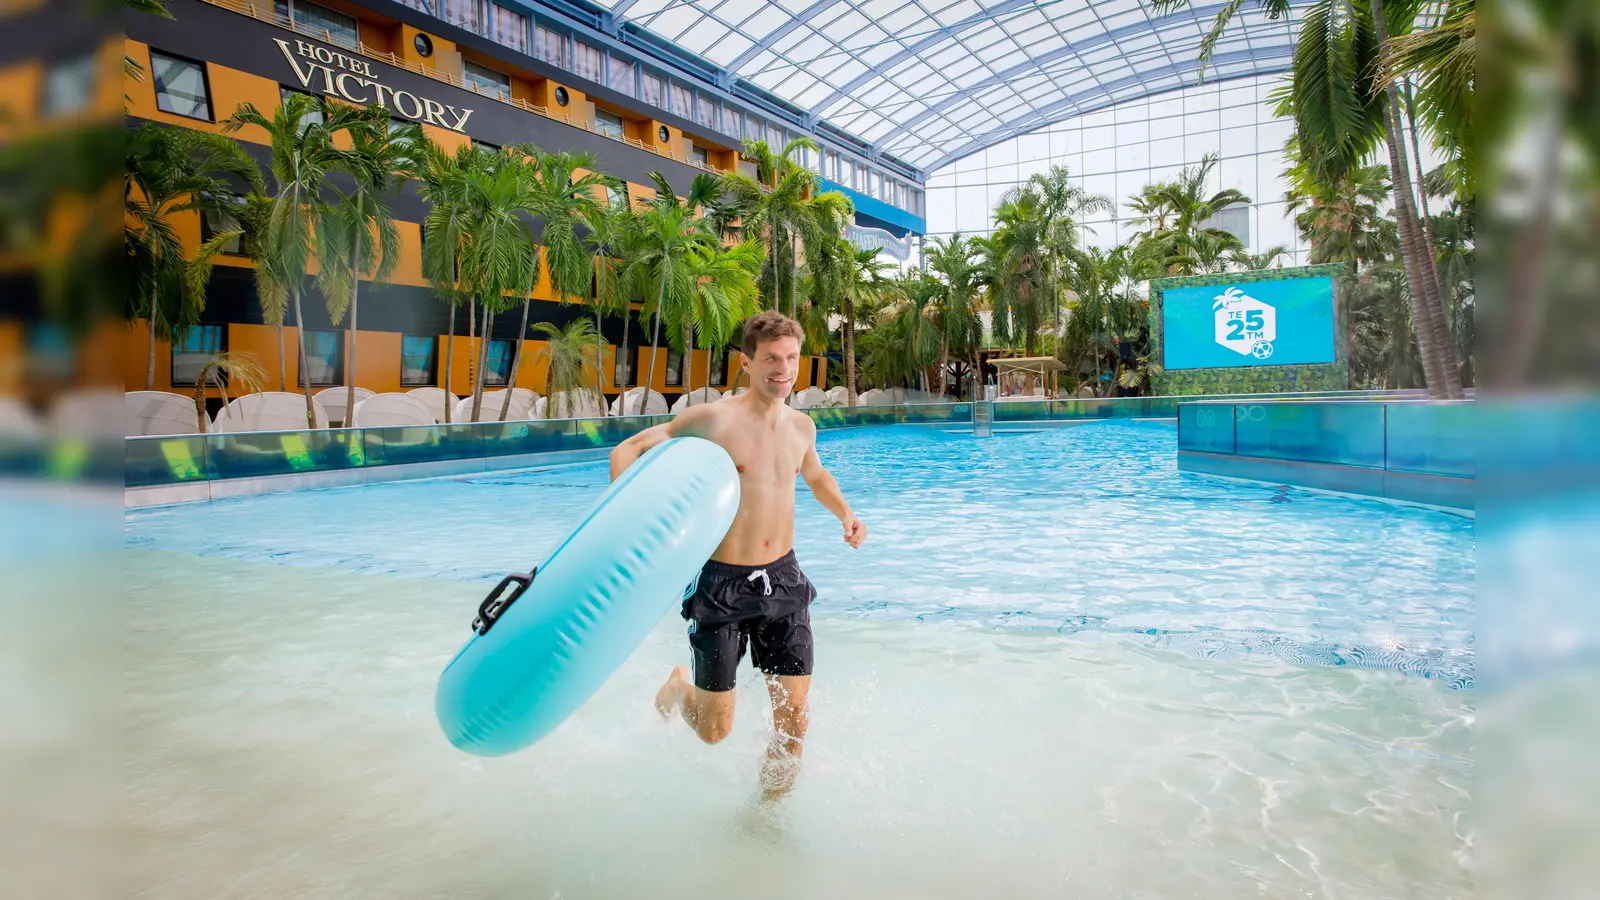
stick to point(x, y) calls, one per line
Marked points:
point(1244, 324)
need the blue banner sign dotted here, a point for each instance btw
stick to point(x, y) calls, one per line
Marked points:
point(1253, 323)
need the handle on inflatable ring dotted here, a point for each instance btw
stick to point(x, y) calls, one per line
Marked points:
point(489, 611)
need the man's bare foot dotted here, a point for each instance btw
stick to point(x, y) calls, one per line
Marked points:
point(671, 695)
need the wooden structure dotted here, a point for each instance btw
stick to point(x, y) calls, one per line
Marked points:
point(1018, 376)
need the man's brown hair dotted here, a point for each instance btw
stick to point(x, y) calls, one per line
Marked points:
point(769, 326)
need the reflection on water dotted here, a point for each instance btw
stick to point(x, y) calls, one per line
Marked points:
point(281, 743)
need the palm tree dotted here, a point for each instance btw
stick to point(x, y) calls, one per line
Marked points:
point(786, 205)
point(1015, 259)
point(168, 171)
point(705, 191)
point(1177, 212)
point(723, 294)
point(609, 230)
point(1064, 203)
point(571, 364)
point(1257, 262)
point(383, 153)
point(1342, 220)
point(660, 266)
point(561, 200)
point(303, 154)
point(959, 325)
point(442, 184)
point(241, 370)
point(1344, 105)
point(498, 255)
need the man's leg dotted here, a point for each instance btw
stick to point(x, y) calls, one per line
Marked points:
point(790, 719)
point(709, 713)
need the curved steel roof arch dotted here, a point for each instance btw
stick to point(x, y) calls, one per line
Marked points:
point(930, 81)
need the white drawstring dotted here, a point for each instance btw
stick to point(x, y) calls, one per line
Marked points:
point(766, 582)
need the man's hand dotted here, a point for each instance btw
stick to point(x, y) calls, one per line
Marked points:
point(855, 531)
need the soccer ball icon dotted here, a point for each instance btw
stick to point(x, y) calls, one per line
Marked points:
point(1261, 350)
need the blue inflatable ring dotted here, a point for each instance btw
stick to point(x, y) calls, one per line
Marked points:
point(544, 642)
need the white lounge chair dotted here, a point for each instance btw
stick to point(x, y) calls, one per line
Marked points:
point(838, 395)
point(159, 412)
point(268, 411)
point(332, 400)
point(695, 398)
point(438, 399)
point(87, 413)
point(389, 410)
point(579, 404)
point(523, 404)
point(811, 398)
point(16, 420)
point(654, 405)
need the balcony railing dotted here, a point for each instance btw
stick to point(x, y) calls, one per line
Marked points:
point(267, 14)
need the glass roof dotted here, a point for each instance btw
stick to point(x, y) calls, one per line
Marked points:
point(930, 81)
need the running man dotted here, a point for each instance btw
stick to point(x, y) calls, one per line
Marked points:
point(752, 590)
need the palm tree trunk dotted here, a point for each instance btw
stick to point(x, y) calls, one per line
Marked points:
point(1433, 339)
point(944, 363)
point(599, 358)
point(200, 398)
point(355, 289)
point(305, 369)
point(1416, 156)
point(655, 341)
point(850, 351)
point(483, 360)
point(150, 371)
point(449, 363)
point(472, 344)
point(686, 365)
point(516, 358)
point(283, 368)
point(627, 361)
point(777, 285)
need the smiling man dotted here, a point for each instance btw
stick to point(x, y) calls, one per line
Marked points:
point(752, 593)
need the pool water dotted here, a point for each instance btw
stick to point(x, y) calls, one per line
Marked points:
point(1058, 668)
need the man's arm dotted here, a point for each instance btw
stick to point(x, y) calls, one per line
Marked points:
point(826, 490)
point(689, 423)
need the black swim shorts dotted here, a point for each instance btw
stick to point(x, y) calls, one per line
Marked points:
point(767, 607)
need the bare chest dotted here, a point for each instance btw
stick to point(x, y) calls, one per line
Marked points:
point(766, 458)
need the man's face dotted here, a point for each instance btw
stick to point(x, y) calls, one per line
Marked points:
point(773, 368)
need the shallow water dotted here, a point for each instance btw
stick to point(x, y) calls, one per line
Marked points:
point(1059, 669)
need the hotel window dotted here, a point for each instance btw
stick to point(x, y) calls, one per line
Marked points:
point(700, 155)
point(731, 121)
point(617, 196)
point(418, 361)
point(461, 13)
point(68, 86)
point(586, 61)
point(499, 369)
point(313, 116)
point(180, 86)
point(320, 22)
point(719, 366)
point(682, 101)
point(212, 224)
point(550, 46)
point(622, 373)
point(621, 76)
point(608, 124)
point(192, 350)
point(674, 368)
point(775, 138)
point(830, 167)
point(324, 357)
point(705, 112)
point(486, 81)
point(752, 129)
point(652, 91)
point(510, 28)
